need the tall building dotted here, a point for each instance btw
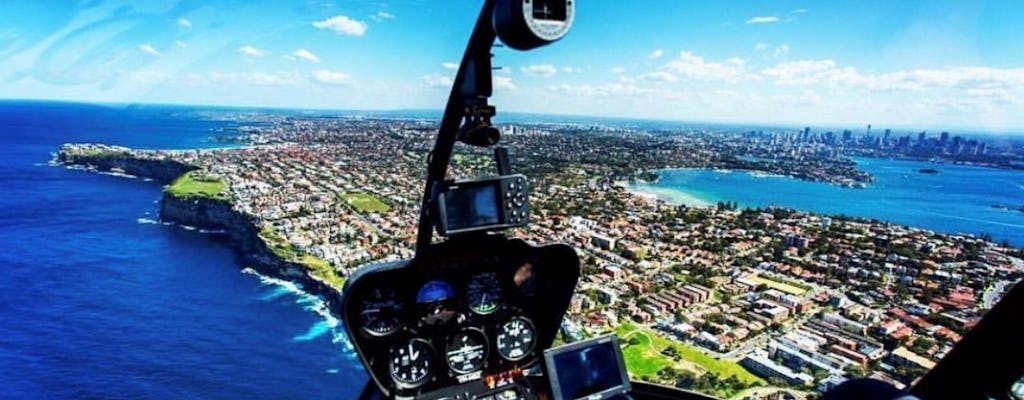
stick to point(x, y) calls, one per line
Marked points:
point(885, 140)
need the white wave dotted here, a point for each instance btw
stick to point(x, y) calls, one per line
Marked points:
point(40, 164)
point(188, 227)
point(328, 324)
point(118, 174)
point(332, 371)
point(147, 179)
point(317, 330)
point(168, 223)
point(213, 231)
point(145, 220)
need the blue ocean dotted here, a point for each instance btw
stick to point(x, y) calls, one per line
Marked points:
point(958, 199)
point(98, 301)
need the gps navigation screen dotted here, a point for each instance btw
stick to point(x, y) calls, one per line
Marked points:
point(470, 207)
point(590, 370)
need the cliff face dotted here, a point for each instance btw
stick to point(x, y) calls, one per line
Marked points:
point(200, 212)
point(209, 213)
point(161, 170)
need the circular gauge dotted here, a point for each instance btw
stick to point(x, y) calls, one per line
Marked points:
point(381, 312)
point(435, 299)
point(466, 351)
point(516, 339)
point(483, 293)
point(411, 364)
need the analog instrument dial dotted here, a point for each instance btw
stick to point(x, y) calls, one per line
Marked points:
point(484, 293)
point(516, 339)
point(381, 312)
point(411, 364)
point(466, 351)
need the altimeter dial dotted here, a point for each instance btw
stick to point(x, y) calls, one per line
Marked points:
point(516, 339)
point(411, 365)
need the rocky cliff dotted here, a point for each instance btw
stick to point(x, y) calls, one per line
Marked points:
point(244, 237)
point(201, 212)
point(111, 159)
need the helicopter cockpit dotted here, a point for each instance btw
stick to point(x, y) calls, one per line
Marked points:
point(474, 317)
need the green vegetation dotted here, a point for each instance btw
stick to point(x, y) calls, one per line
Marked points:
point(317, 267)
point(364, 202)
point(193, 185)
point(654, 358)
point(323, 270)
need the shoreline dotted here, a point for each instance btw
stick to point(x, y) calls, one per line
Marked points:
point(209, 215)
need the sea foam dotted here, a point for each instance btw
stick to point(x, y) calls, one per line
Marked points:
point(328, 324)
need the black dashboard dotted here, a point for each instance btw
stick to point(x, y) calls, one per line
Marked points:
point(463, 318)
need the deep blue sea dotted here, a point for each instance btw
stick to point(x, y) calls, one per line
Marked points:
point(99, 302)
point(957, 199)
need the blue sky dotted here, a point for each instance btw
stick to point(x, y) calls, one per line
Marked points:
point(921, 63)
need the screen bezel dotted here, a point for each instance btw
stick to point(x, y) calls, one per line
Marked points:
point(442, 211)
point(552, 373)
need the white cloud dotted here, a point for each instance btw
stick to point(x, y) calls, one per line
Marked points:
point(382, 15)
point(614, 90)
point(800, 11)
point(148, 49)
point(656, 54)
point(965, 80)
point(780, 50)
point(503, 83)
point(570, 70)
point(618, 70)
point(250, 51)
point(450, 65)
point(692, 66)
point(658, 76)
point(543, 70)
point(303, 54)
point(437, 80)
point(330, 77)
point(761, 46)
point(763, 19)
point(180, 44)
point(342, 25)
point(184, 23)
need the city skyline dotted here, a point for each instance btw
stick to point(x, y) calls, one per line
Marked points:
point(941, 64)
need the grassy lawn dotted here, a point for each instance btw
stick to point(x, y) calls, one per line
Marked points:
point(642, 360)
point(364, 202)
point(645, 358)
point(780, 286)
point(189, 185)
point(322, 269)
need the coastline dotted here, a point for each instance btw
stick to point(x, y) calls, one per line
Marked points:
point(668, 195)
point(203, 213)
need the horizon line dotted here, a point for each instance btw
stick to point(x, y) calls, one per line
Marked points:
point(1011, 131)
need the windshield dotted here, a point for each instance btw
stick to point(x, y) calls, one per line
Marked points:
point(767, 198)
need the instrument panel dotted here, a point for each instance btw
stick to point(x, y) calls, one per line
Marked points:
point(462, 314)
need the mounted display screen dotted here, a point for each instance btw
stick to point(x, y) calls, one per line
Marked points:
point(592, 369)
point(486, 204)
point(472, 207)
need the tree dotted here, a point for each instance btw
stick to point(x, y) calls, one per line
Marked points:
point(856, 371)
